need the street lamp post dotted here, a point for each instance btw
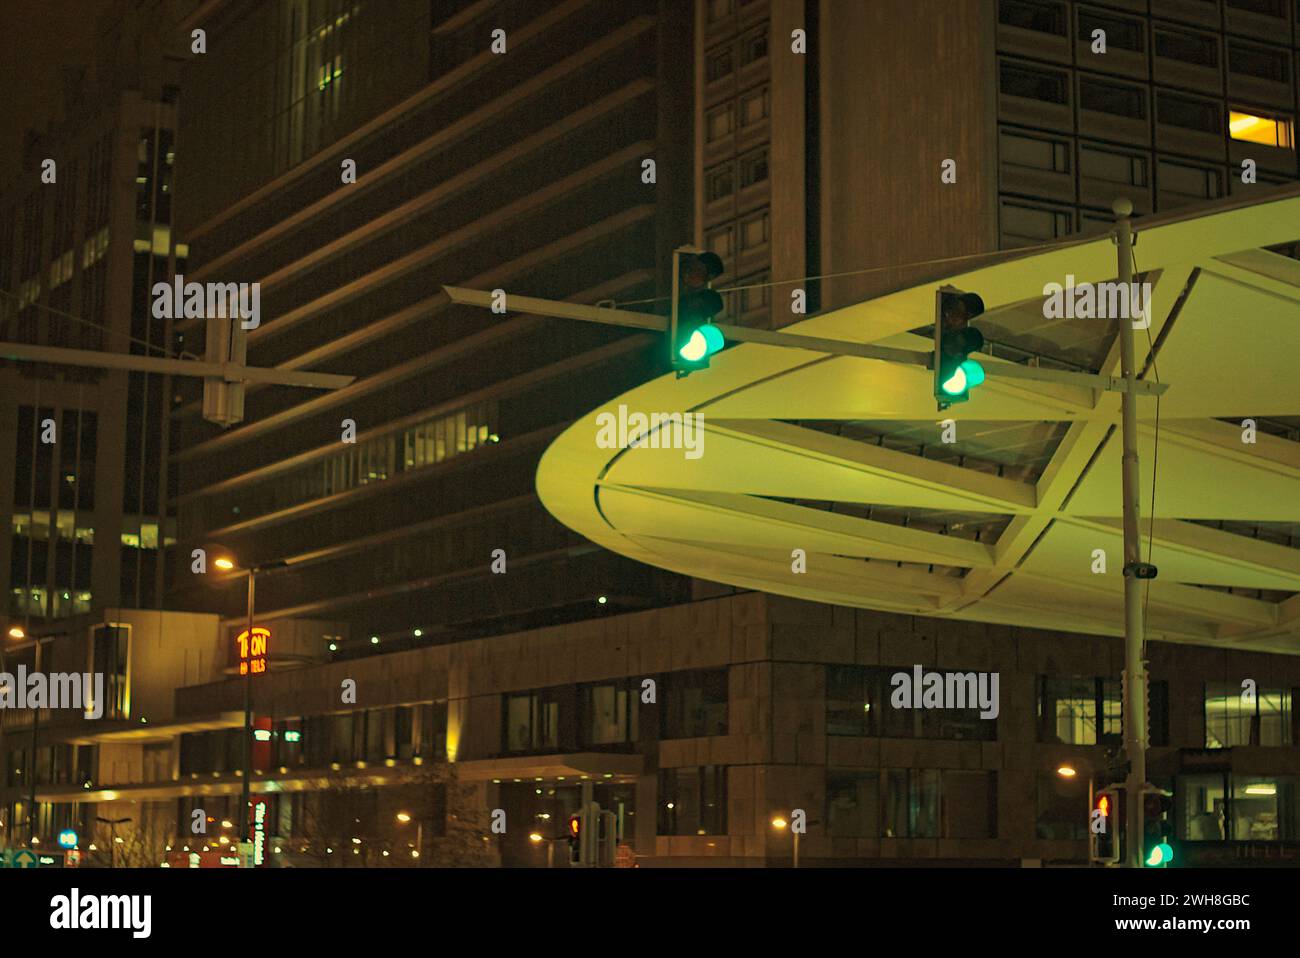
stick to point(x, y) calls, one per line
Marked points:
point(403, 818)
point(779, 823)
point(227, 563)
point(1067, 771)
point(245, 790)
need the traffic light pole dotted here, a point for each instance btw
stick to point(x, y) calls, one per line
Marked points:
point(245, 787)
point(837, 347)
point(1135, 708)
point(230, 372)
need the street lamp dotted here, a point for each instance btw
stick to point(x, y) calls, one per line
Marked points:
point(780, 824)
point(1068, 772)
point(226, 562)
point(403, 818)
point(17, 633)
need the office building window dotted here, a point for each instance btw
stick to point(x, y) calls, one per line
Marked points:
point(853, 804)
point(754, 107)
point(1262, 62)
point(859, 702)
point(1118, 99)
point(753, 168)
point(1121, 32)
point(1158, 712)
point(850, 696)
point(753, 47)
point(1113, 166)
point(720, 182)
point(1194, 48)
point(609, 712)
point(1264, 808)
point(693, 704)
point(1267, 130)
point(111, 653)
point(1051, 86)
point(1079, 711)
point(1268, 8)
point(693, 801)
point(722, 241)
point(1232, 718)
point(1224, 806)
point(970, 804)
point(1033, 15)
point(1198, 182)
point(1034, 224)
point(911, 803)
point(532, 721)
point(431, 721)
point(754, 231)
point(1035, 152)
point(1188, 113)
point(721, 122)
point(718, 63)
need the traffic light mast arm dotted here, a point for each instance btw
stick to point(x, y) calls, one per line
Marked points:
point(229, 372)
point(746, 334)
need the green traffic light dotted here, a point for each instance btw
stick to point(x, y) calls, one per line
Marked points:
point(703, 342)
point(1161, 854)
point(967, 375)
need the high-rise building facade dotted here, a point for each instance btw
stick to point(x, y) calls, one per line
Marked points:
point(352, 158)
point(494, 146)
point(84, 233)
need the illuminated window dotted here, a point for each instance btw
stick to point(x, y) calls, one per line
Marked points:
point(1270, 131)
point(1079, 711)
point(1230, 720)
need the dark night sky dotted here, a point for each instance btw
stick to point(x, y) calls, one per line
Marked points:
point(38, 38)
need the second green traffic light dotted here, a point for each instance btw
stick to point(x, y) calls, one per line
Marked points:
point(695, 303)
point(955, 374)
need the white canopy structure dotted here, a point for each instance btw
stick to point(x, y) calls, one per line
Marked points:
point(844, 458)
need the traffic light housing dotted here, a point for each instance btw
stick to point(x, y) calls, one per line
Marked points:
point(955, 374)
point(575, 837)
point(1158, 829)
point(227, 342)
point(1104, 827)
point(692, 335)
